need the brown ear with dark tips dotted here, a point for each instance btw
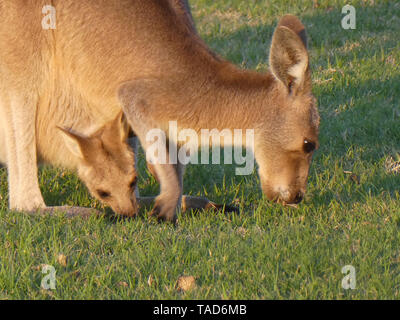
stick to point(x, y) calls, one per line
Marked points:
point(294, 24)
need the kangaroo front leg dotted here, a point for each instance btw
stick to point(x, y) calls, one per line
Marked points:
point(169, 175)
point(24, 188)
point(169, 201)
point(188, 202)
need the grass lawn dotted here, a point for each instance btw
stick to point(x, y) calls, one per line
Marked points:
point(351, 214)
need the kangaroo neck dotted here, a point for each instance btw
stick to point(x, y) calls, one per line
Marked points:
point(223, 97)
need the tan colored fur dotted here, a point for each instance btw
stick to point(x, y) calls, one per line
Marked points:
point(46, 117)
point(145, 57)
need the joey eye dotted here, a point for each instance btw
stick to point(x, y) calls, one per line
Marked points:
point(103, 194)
point(308, 146)
point(133, 183)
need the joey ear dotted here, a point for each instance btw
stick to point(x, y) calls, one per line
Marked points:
point(75, 143)
point(289, 57)
point(125, 128)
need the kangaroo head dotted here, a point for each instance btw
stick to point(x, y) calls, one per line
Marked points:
point(288, 144)
point(106, 165)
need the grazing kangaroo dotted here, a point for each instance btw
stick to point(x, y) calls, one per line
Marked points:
point(55, 124)
point(201, 91)
point(145, 57)
point(101, 156)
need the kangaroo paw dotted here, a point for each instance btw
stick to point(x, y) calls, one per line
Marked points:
point(164, 212)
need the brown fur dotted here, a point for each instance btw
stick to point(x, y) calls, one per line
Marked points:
point(145, 57)
point(48, 117)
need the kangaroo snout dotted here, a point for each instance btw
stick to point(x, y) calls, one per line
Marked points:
point(130, 213)
point(284, 195)
point(287, 197)
point(128, 209)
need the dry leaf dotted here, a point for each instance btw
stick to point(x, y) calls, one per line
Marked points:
point(62, 260)
point(186, 283)
point(150, 280)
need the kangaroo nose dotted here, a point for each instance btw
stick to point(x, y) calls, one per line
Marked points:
point(299, 197)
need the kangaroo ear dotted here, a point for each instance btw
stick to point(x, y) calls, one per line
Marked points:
point(124, 127)
point(288, 55)
point(75, 143)
point(116, 129)
point(293, 23)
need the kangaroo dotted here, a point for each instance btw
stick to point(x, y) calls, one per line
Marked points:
point(69, 135)
point(145, 57)
point(278, 105)
point(101, 157)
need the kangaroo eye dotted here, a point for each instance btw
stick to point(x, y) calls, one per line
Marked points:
point(308, 146)
point(103, 194)
point(133, 183)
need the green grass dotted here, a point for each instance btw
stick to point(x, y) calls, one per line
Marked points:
point(267, 252)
